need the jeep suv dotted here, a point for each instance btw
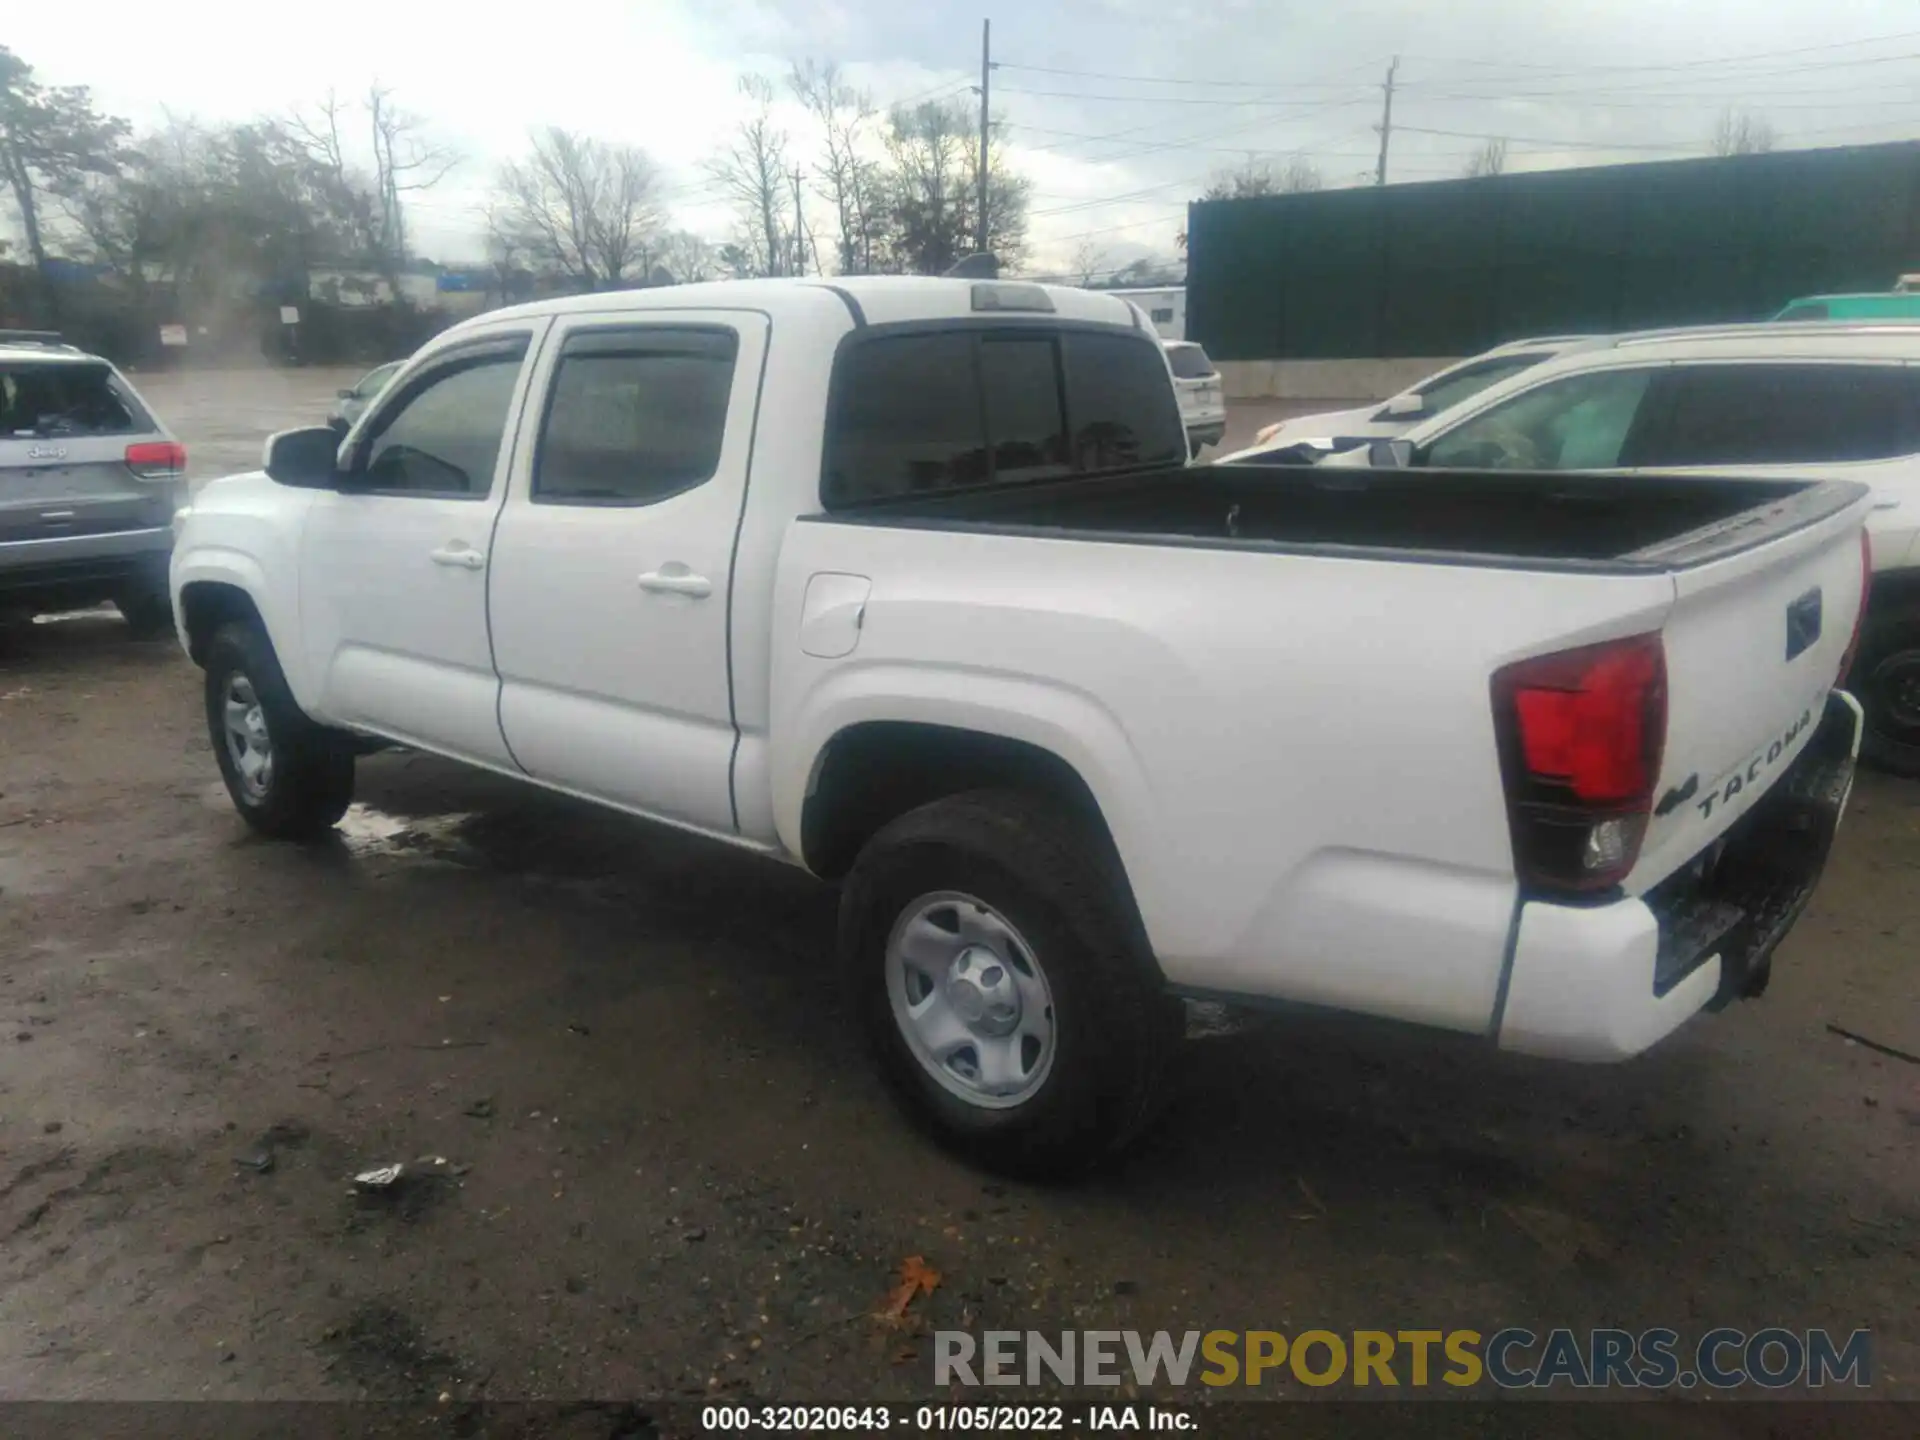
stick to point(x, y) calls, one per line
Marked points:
point(89, 482)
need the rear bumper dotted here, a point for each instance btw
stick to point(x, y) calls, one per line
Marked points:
point(1606, 982)
point(81, 569)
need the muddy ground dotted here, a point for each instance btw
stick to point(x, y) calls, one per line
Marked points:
point(667, 1169)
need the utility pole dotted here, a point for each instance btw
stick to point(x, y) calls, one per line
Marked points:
point(799, 230)
point(986, 66)
point(1385, 126)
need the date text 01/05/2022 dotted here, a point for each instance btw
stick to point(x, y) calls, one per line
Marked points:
point(1009, 1419)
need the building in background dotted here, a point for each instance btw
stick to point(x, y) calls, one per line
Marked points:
point(1166, 307)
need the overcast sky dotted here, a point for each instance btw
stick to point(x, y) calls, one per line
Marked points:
point(1182, 87)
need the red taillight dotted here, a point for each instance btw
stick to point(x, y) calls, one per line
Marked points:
point(157, 459)
point(1581, 738)
point(1860, 618)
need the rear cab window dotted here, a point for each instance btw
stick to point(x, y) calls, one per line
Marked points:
point(942, 409)
point(46, 398)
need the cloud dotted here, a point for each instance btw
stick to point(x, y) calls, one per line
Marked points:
point(1113, 149)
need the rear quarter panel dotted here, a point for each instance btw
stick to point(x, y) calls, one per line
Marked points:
point(1294, 753)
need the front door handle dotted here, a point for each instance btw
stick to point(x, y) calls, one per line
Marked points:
point(460, 557)
point(1886, 502)
point(677, 581)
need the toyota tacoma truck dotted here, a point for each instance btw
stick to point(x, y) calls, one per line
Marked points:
point(906, 581)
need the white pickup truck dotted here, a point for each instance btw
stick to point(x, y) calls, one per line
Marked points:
point(907, 582)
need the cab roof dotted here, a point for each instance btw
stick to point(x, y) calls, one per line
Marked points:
point(874, 299)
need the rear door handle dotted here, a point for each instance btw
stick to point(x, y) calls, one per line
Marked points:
point(671, 582)
point(459, 557)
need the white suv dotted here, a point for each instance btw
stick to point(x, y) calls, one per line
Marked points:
point(1838, 400)
point(1203, 406)
point(1333, 430)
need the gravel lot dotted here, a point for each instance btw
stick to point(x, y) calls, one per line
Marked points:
point(668, 1170)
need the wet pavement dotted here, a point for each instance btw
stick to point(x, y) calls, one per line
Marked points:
point(643, 1154)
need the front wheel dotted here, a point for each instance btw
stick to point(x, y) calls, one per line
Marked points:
point(997, 971)
point(289, 778)
point(1886, 680)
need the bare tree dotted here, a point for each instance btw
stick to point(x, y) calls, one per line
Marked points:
point(849, 178)
point(753, 172)
point(1489, 159)
point(403, 163)
point(583, 207)
point(1740, 132)
point(1085, 263)
point(319, 134)
point(932, 180)
point(1258, 177)
point(687, 258)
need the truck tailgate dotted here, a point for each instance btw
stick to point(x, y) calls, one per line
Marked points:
point(1755, 641)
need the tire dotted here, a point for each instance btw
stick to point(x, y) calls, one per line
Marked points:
point(307, 783)
point(1016, 889)
point(1886, 680)
point(149, 614)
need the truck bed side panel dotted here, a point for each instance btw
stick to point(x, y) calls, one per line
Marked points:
point(1302, 781)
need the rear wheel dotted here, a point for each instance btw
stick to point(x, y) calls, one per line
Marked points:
point(1886, 680)
point(288, 778)
point(996, 970)
point(149, 614)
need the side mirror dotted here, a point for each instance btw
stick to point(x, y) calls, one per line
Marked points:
point(345, 394)
point(304, 458)
point(1409, 406)
point(1390, 454)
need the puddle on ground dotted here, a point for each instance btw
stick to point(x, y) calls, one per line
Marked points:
point(97, 612)
point(367, 831)
point(1210, 1020)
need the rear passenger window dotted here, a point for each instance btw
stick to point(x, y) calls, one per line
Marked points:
point(635, 415)
point(920, 413)
point(907, 419)
point(1783, 414)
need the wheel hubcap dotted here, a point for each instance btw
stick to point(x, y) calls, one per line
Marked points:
point(1897, 681)
point(249, 745)
point(971, 999)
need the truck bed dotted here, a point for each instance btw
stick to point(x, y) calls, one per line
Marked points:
point(1558, 520)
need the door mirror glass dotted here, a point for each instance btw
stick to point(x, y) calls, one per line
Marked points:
point(1390, 454)
point(1407, 407)
point(304, 458)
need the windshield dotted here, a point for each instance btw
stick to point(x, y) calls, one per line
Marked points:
point(1468, 381)
point(374, 381)
point(65, 398)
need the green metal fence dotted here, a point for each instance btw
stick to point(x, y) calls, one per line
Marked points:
point(1452, 267)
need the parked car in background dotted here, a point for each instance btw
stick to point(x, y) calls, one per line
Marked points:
point(1309, 438)
point(354, 400)
point(89, 483)
point(910, 582)
point(1891, 305)
point(1203, 405)
point(1830, 399)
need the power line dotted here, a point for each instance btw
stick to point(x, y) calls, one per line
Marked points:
point(1536, 140)
point(1178, 80)
point(1157, 99)
point(1669, 65)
